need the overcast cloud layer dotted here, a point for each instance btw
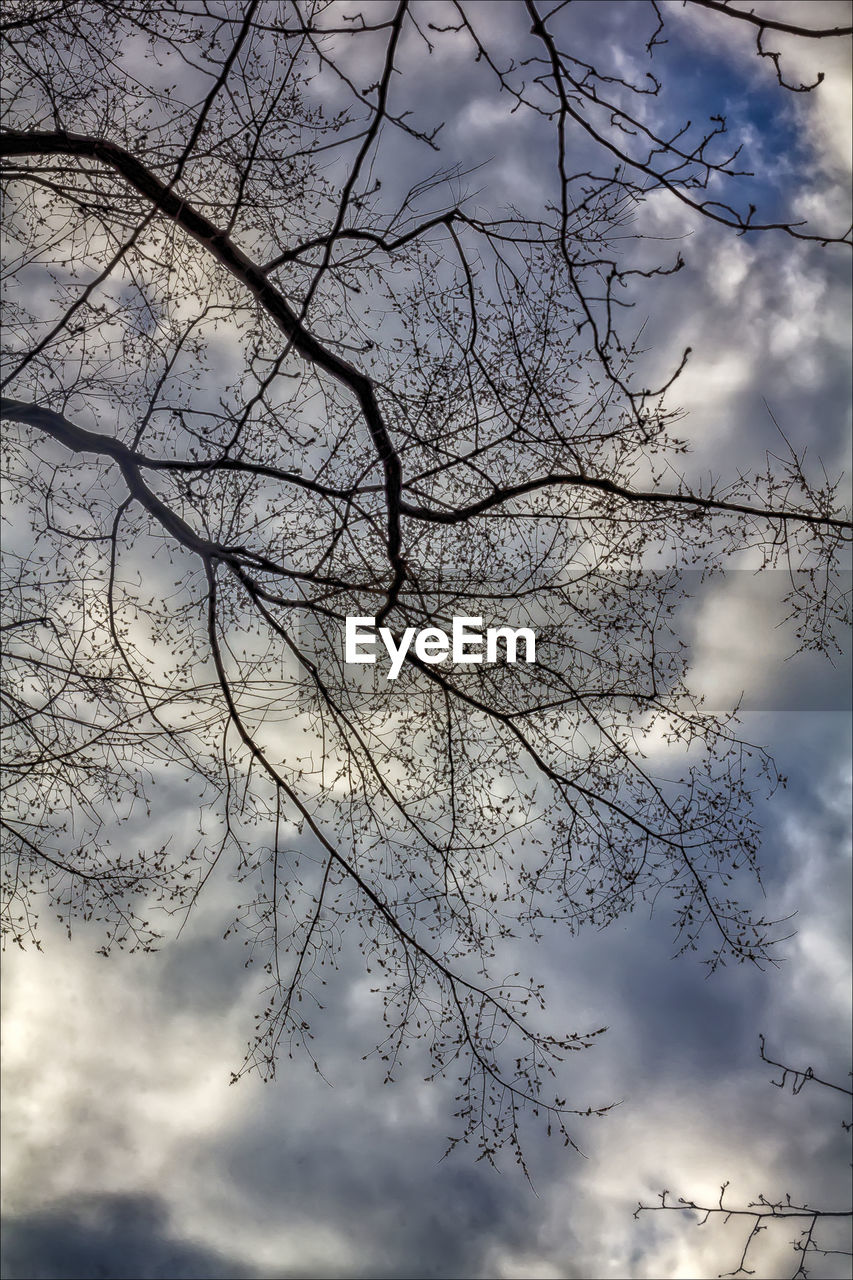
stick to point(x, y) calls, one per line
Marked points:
point(127, 1152)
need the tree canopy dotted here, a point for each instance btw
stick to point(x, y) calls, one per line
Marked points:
point(271, 363)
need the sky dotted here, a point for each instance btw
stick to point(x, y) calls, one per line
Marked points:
point(127, 1152)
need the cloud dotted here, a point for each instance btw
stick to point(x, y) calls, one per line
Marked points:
point(129, 1111)
point(109, 1237)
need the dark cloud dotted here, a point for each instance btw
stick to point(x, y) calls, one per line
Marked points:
point(108, 1237)
point(381, 1184)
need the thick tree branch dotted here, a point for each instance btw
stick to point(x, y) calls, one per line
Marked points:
point(773, 24)
point(253, 277)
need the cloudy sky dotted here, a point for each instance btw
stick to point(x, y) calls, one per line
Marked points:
point(126, 1151)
